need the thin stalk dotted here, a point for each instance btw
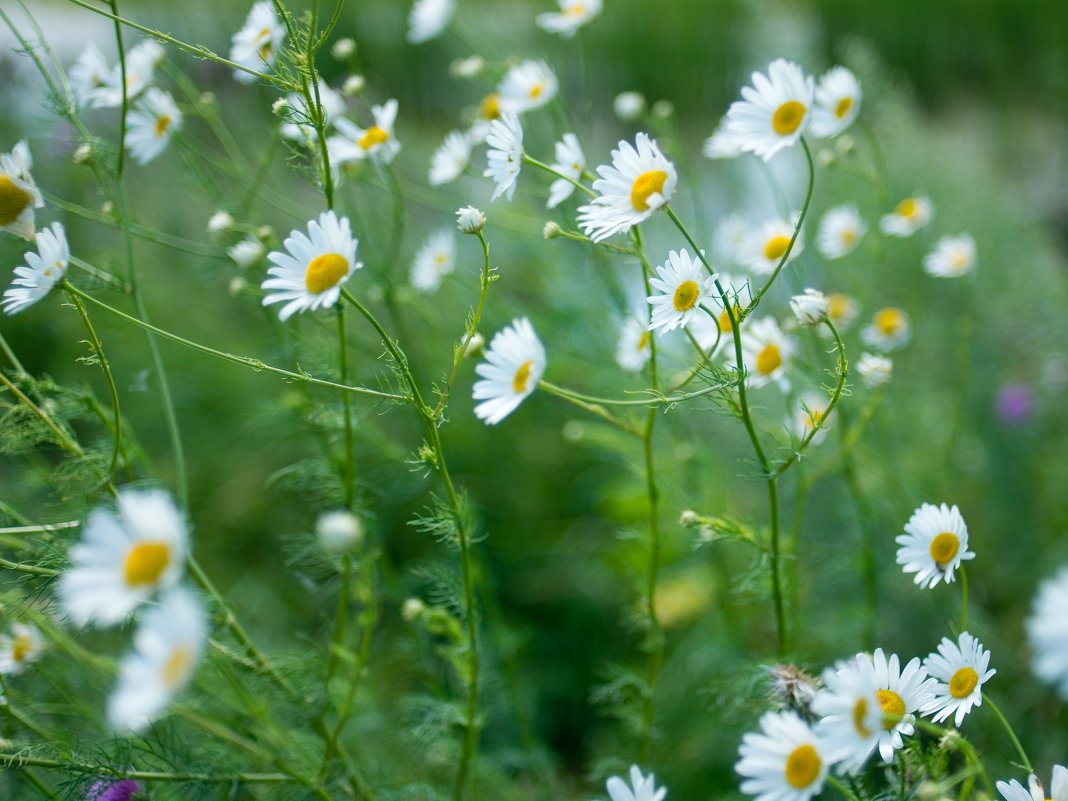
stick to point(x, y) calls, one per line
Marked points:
point(16, 761)
point(125, 94)
point(63, 439)
point(32, 570)
point(593, 408)
point(11, 357)
point(543, 166)
point(349, 468)
point(44, 528)
point(1012, 734)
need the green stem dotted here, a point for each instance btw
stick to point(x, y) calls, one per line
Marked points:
point(543, 166)
point(349, 468)
point(841, 788)
point(125, 93)
point(1024, 761)
point(11, 357)
point(17, 761)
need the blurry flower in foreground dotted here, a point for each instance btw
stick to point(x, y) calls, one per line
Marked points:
point(111, 790)
point(889, 330)
point(570, 161)
point(141, 63)
point(514, 364)
point(934, 544)
point(791, 686)
point(900, 693)
point(353, 143)
point(257, 44)
point(774, 112)
point(766, 352)
point(470, 220)
point(628, 106)
point(642, 788)
point(722, 144)
point(766, 247)
point(298, 124)
point(874, 371)
point(167, 646)
point(842, 310)
point(952, 256)
point(837, 102)
point(851, 715)
point(429, 18)
point(123, 559)
point(960, 671)
point(784, 762)
point(682, 284)
point(637, 183)
point(450, 159)
point(527, 86)
point(19, 648)
point(505, 156)
point(635, 345)
point(573, 15)
point(1014, 404)
point(908, 216)
point(435, 259)
point(150, 125)
point(43, 270)
point(810, 307)
point(1058, 791)
point(19, 195)
point(88, 73)
point(1047, 632)
point(310, 273)
point(840, 231)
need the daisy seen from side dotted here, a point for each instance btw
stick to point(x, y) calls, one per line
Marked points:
point(573, 14)
point(151, 124)
point(635, 345)
point(842, 310)
point(851, 716)
point(934, 544)
point(88, 74)
point(774, 112)
point(570, 161)
point(376, 142)
point(959, 669)
point(257, 44)
point(428, 19)
point(450, 159)
point(514, 364)
point(785, 761)
point(505, 156)
point(19, 195)
point(42, 271)
point(141, 63)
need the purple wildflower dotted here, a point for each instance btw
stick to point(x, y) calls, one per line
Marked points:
point(1015, 404)
point(111, 790)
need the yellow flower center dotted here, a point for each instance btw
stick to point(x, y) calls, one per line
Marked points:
point(860, 711)
point(13, 200)
point(145, 563)
point(788, 117)
point(325, 272)
point(958, 260)
point(889, 321)
point(768, 360)
point(891, 704)
point(490, 108)
point(536, 90)
point(163, 122)
point(775, 247)
point(907, 208)
point(522, 376)
point(645, 185)
point(802, 766)
point(21, 648)
point(725, 326)
point(177, 667)
point(685, 296)
point(963, 682)
point(843, 107)
point(944, 547)
point(643, 341)
point(849, 236)
point(264, 33)
point(372, 136)
point(837, 306)
point(575, 11)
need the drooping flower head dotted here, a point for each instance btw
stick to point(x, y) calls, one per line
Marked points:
point(505, 156)
point(429, 18)
point(450, 159)
point(257, 44)
point(681, 284)
point(960, 671)
point(908, 216)
point(934, 545)
point(514, 364)
point(43, 270)
point(19, 195)
point(785, 761)
point(838, 99)
point(570, 161)
point(774, 111)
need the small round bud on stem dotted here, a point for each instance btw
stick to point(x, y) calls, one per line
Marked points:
point(470, 220)
point(628, 106)
point(470, 67)
point(83, 154)
point(339, 532)
point(551, 230)
point(343, 49)
point(353, 85)
point(810, 308)
point(412, 608)
point(220, 221)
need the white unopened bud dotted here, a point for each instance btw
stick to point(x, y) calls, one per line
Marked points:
point(339, 532)
point(810, 308)
point(206, 99)
point(845, 144)
point(663, 109)
point(628, 106)
point(825, 157)
point(343, 48)
point(469, 67)
point(247, 252)
point(83, 153)
point(353, 85)
point(470, 220)
point(220, 221)
point(551, 230)
point(874, 371)
point(688, 518)
point(412, 608)
point(475, 346)
point(238, 284)
point(280, 107)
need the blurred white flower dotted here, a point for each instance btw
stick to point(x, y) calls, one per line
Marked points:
point(842, 310)
point(889, 330)
point(435, 259)
point(628, 106)
point(838, 99)
point(450, 159)
point(767, 245)
point(19, 195)
point(257, 44)
point(951, 257)
point(840, 231)
point(43, 270)
point(339, 531)
point(766, 352)
point(429, 18)
point(874, 371)
point(811, 307)
point(377, 142)
point(722, 144)
point(570, 161)
point(141, 63)
point(908, 216)
point(19, 648)
point(1047, 632)
point(151, 124)
point(635, 345)
point(220, 221)
point(527, 86)
point(573, 14)
point(88, 74)
point(343, 49)
point(247, 252)
point(810, 412)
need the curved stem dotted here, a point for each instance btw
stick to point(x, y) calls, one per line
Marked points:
point(543, 166)
point(125, 93)
point(1012, 734)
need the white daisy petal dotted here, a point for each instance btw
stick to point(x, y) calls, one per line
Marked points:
point(514, 364)
point(952, 256)
point(934, 545)
point(46, 268)
point(784, 762)
point(775, 112)
point(257, 44)
point(573, 15)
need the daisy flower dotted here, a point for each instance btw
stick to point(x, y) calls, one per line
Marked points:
point(810, 413)
point(637, 183)
point(683, 285)
point(810, 307)
point(141, 63)
point(310, 273)
point(122, 559)
point(851, 716)
point(934, 544)
point(842, 310)
point(840, 231)
point(505, 156)
point(167, 646)
point(837, 102)
point(151, 124)
point(428, 19)
point(527, 86)
point(353, 143)
point(88, 73)
point(43, 270)
point(784, 762)
point(874, 371)
point(900, 693)
point(635, 345)
point(570, 161)
point(952, 256)
point(257, 44)
point(774, 112)
point(489, 109)
point(765, 248)
point(889, 330)
point(908, 216)
point(642, 788)
point(19, 648)
point(514, 364)
point(766, 353)
point(435, 259)
point(450, 159)
point(19, 195)
point(959, 670)
point(1047, 632)
point(1058, 791)
point(298, 123)
point(573, 14)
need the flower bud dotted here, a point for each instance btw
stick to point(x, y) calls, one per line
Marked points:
point(551, 230)
point(810, 308)
point(343, 49)
point(874, 371)
point(628, 106)
point(220, 221)
point(339, 532)
point(412, 608)
point(470, 220)
point(353, 85)
point(469, 67)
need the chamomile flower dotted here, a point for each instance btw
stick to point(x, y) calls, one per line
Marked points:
point(428, 19)
point(842, 310)
point(450, 159)
point(573, 14)
point(851, 716)
point(766, 247)
point(840, 231)
point(874, 371)
point(681, 284)
point(838, 99)
point(1058, 791)
point(959, 670)
point(889, 330)
point(150, 125)
point(514, 364)
point(952, 256)
point(141, 63)
point(786, 761)
point(168, 644)
point(435, 259)
point(766, 352)
point(934, 544)
point(489, 109)
point(722, 144)
point(774, 111)
point(900, 694)
point(124, 558)
point(88, 73)
point(1047, 632)
point(310, 273)
point(247, 252)
point(635, 345)
point(908, 216)
point(19, 648)
point(505, 156)
point(642, 788)
point(811, 411)
point(257, 44)
point(811, 307)
point(527, 86)
point(298, 124)
point(637, 183)
point(42, 271)
point(470, 220)
point(377, 142)
point(19, 195)
point(570, 161)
